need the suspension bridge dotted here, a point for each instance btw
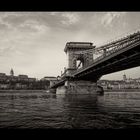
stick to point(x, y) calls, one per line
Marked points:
point(115, 56)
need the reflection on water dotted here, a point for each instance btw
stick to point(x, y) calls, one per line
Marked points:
point(43, 110)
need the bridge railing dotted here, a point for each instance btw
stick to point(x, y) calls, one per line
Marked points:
point(118, 41)
point(114, 47)
point(123, 44)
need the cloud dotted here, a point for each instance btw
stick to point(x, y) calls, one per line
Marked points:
point(109, 17)
point(6, 49)
point(20, 32)
point(38, 21)
point(4, 25)
point(26, 20)
point(34, 26)
point(53, 13)
point(12, 19)
point(70, 18)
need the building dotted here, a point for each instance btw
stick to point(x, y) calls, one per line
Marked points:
point(124, 78)
point(12, 72)
point(15, 82)
point(23, 78)
point(126, 83)
point(3, 77)
point(50, 78)
point(31, 79)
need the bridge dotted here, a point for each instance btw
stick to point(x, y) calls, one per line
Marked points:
point(112, 57)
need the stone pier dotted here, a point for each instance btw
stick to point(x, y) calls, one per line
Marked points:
point(77, 87)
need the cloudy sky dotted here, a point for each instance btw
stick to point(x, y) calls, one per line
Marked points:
point(33, 43)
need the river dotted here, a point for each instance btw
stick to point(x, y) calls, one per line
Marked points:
point(115, 110)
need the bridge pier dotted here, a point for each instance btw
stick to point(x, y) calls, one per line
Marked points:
point(78, 87)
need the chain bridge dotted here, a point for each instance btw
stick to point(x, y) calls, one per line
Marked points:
point(86, 63)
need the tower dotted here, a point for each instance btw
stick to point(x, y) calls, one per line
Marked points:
point(11, 72)
point(124, 77)
point(78, 51)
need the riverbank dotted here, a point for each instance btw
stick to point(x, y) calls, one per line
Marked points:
point(21, 91)
point(44, 91)
point(121, 90)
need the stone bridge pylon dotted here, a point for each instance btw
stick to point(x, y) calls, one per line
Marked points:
point(78, 54)
point(81, 52)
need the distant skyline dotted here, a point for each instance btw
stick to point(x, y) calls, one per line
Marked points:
point(32, 43)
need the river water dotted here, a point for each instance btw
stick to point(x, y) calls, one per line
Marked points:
point(116, 110)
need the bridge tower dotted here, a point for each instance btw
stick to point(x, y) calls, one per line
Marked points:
point(78, 51)
point(82, 52)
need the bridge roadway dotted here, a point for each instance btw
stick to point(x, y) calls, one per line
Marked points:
point(124, 57)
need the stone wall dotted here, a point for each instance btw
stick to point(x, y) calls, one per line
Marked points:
point(78, 87)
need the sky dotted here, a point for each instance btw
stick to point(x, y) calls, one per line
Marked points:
point(32, 43)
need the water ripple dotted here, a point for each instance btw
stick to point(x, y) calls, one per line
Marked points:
point(41, 110)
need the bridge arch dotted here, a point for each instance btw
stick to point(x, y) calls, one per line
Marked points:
point(79, 53)
point(78, 61)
